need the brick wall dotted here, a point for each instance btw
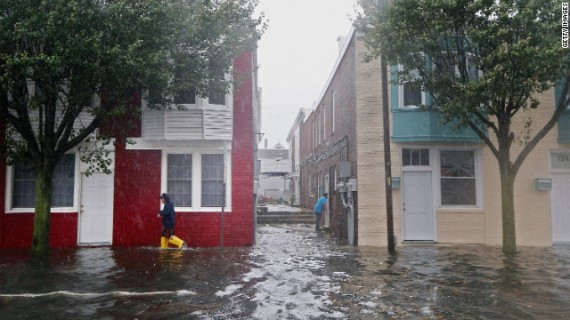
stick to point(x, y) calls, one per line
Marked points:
point(343, 86)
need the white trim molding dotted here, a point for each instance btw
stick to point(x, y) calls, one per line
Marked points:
point(197, 176)
point(76, 189)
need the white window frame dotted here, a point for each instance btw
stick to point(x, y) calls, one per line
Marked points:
point(401, 95)
point(478, 162)
point(421, 167)
point(76, 189)
point(197, 178)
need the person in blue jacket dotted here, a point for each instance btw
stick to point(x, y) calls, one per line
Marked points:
point(168, 216)
point(320, 206)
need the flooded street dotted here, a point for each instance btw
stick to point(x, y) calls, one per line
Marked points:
point(292, 273)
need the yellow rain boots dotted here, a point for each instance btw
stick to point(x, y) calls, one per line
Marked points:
point(174, 240)
point(163, 243)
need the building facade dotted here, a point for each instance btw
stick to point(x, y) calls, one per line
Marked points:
point(188, 152)
point(275, 166)
point(446, 182)
point(294, 142)
point(328, 137)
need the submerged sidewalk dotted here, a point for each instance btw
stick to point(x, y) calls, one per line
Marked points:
point(291, 273)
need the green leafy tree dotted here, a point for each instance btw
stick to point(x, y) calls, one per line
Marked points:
point(483, 62)
point(69, 66)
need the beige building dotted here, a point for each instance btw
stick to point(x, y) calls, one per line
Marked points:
point(449, 182)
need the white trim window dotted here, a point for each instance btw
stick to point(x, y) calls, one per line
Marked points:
point(458, 178)
point(411, 94)
point(415, 157)
point(195, 179)
point(21, 186)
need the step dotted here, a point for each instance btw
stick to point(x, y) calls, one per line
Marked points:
point(285, 217)
point(288, 221)
point(284, 213)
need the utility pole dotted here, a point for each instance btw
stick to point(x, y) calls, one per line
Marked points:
point(387, 158)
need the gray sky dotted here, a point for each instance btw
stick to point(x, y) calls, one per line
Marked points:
point(296, 56)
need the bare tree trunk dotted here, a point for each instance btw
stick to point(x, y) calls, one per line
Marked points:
point(40, 244)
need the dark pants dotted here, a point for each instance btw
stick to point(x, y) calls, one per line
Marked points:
point(167, 232)
point(318, 217)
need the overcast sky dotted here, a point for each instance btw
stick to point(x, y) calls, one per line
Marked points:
point(296, 56)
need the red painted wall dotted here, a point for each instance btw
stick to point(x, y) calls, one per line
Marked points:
point(19, 228)
point(136, 202)
point(137, 187)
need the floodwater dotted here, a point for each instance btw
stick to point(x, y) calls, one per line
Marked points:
point(292, 273)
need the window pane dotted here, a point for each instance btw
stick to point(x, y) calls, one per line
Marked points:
point(424, 157)
point(185, 96)
point(63, 182)
point(415, 157)
point(179, 176)
point(458, 191)
point(24, 189)
point(412, 94)
point(406, 157)
point(217, 98)
point(457, 163)
point(472, 70)
point(212, 180)
point(458, 184)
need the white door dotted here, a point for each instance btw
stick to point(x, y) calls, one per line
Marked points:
point(561, 207)
point(96, 214)
point(418, 206)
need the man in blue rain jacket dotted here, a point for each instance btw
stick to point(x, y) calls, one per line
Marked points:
point(168, 216)
point(320, 206)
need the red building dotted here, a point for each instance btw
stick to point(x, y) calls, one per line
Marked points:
point(191, 153)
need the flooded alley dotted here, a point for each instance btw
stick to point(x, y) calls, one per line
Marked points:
point(292, 273)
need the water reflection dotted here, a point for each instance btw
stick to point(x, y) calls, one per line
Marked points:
point(292, 273)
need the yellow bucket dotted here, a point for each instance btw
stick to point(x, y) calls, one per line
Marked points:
point(174, 240)
point(163, 243)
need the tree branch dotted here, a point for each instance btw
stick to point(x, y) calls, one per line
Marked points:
point(560, 108)
point(484, 137)
point(486, 121)
point(65, 145)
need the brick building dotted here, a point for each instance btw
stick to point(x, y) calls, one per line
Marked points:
point(328, 137)
point(188, 152)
